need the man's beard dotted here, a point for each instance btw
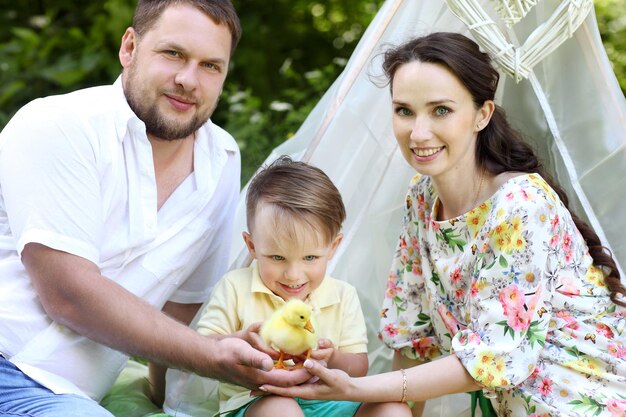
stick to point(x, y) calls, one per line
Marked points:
point(157, 125)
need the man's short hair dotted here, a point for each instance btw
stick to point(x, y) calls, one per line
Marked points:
point(222, 12)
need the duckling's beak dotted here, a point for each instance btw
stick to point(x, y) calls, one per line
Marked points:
point(308, 326)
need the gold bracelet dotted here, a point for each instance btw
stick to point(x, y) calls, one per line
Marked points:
point(404, 386)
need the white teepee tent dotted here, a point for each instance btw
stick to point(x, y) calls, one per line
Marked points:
point(565, 97)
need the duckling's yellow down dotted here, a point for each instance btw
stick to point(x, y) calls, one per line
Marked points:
point(290, 330)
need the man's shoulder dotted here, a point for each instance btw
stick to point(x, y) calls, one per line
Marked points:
point(93, 106)
point(81, 101)
point(92, 113)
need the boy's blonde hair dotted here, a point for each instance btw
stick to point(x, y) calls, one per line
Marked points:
point(297, 191)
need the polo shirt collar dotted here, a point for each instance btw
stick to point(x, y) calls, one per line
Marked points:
point(327, 294)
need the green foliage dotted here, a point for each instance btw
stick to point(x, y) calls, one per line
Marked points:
point(51, 47)
point(451, 238)
point(259, 126)
point(290, 53)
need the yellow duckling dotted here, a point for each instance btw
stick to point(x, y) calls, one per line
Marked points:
point(290, 331)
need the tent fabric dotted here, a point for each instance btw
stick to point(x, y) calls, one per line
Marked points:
point(570, 107)
point(518, 60)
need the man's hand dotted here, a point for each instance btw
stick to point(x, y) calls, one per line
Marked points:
point(237, 362)
point(251, 335)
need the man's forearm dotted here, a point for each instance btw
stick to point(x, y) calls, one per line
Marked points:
point(76, 295)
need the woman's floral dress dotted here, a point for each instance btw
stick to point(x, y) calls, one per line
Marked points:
point(510, 288)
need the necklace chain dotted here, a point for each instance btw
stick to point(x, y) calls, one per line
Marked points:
point(439, 205)
point(480, 186)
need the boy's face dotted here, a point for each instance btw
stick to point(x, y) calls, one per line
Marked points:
point(294, 266)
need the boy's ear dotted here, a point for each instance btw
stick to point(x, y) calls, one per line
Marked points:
point(335, 244)
point(247, 238)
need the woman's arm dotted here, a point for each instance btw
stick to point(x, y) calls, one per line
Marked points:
point(423, 382)
point(402, 362)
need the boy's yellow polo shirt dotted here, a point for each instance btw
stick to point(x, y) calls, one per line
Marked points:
point(241, 299)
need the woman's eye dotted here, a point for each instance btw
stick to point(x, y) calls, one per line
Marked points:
point(442, 111)
point(403, 111)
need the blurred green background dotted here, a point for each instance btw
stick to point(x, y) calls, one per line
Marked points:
point(290, 53)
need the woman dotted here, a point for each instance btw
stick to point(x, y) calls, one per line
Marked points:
point(492, 270)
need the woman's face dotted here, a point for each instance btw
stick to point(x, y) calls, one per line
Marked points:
point(435, 120)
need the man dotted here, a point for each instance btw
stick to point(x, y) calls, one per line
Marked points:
point(115, 200)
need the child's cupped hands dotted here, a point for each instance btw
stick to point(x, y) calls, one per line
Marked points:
point(324, 351)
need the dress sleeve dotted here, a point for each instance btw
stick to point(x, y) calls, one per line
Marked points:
point(405, 323)
point(510, 290)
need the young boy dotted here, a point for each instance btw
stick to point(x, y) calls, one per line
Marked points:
point(294, 218)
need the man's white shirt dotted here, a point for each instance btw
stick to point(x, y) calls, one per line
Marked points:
point(77, 175)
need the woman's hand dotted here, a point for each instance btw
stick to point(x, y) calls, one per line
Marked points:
point(433, 379)
point(332, 384)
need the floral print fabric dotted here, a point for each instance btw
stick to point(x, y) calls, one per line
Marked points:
point(510, 288)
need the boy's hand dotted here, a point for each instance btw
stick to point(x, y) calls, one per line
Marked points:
point(322, 354)
point(324, 351)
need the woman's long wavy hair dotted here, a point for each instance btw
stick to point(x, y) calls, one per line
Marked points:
point(499, 147)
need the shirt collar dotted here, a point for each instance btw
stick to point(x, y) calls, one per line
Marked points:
point(209, 136)
point(125, 118)
point(327, 294)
